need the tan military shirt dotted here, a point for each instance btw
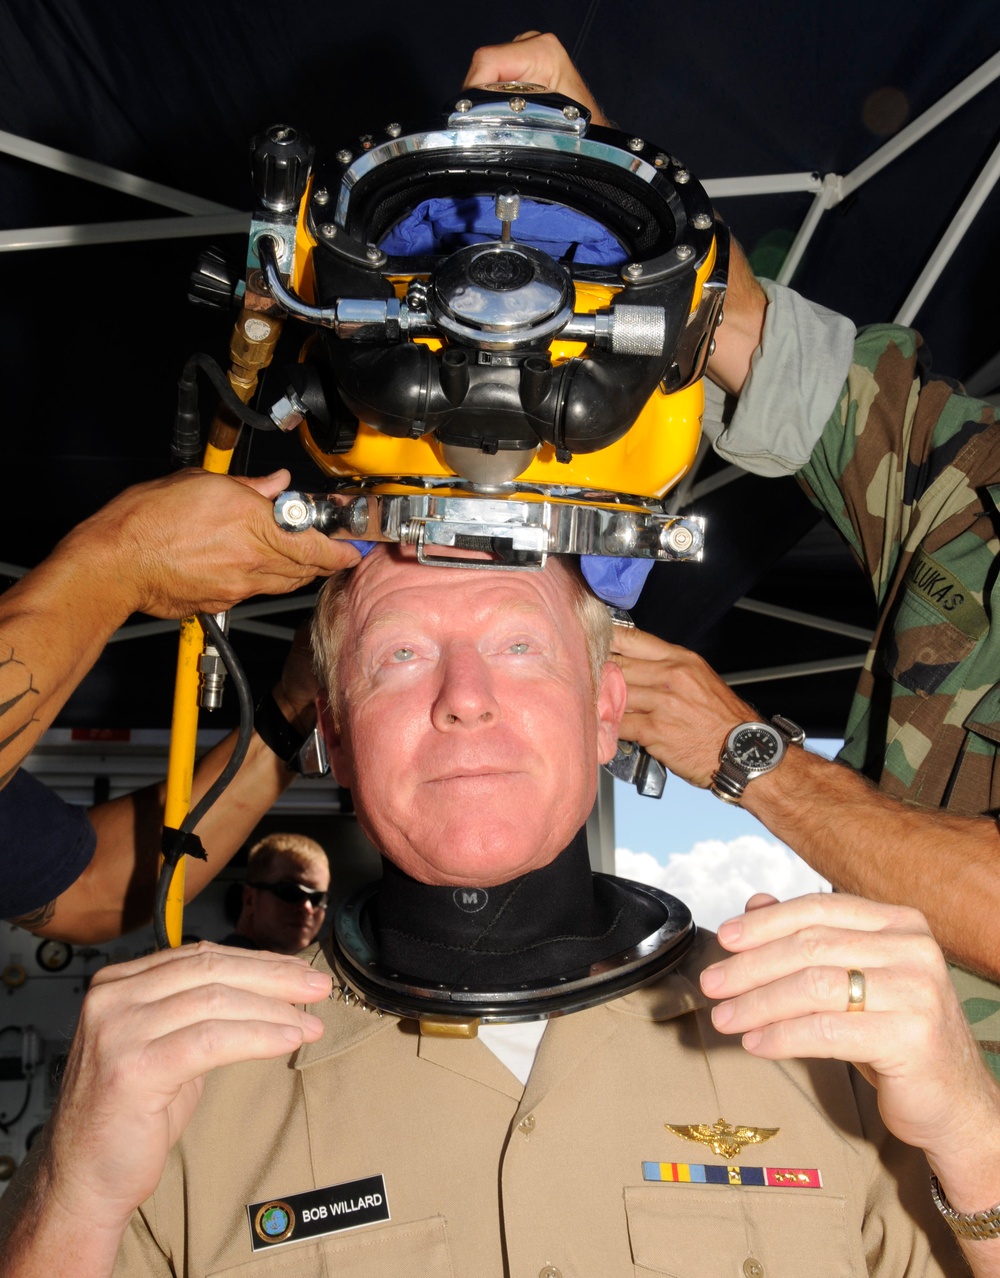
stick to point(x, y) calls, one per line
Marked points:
point(482, 1181)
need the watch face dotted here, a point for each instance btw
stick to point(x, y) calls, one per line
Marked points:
point(755, 746)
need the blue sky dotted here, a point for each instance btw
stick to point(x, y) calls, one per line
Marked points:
point(709, 853)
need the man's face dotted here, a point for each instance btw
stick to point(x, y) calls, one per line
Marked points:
point(470, 733)
point(276, 924)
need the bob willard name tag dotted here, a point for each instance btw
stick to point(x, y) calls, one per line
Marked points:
point(317, 1212)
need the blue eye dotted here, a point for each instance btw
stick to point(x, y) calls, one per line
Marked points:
point(403, 654)
point(519, 648)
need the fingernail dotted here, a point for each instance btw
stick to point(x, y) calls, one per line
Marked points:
point(290, 1032)
point(712, 978)
point(722, 1013)
point(751, 1039)
point(318, 980)
point(730, 931)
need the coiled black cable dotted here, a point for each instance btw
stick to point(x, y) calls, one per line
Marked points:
point(185, 446)
point(173, 855)
point(7, 1123)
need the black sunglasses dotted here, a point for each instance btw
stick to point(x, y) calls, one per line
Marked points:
point(293, 894)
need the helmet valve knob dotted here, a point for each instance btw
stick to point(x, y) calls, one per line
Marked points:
point(508, 206)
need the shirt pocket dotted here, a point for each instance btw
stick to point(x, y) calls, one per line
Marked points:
point(922, 649)
point(984, 719)
point(694, 1231)
point(416, 1250)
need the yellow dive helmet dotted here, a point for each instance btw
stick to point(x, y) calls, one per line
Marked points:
point(516, 309)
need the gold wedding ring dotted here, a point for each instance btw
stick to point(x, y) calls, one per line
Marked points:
point(856, 990)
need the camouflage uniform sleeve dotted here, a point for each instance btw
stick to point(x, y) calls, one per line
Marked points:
point(795, 378)
point(896, 464)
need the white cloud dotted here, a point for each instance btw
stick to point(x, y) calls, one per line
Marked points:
point(716, 878)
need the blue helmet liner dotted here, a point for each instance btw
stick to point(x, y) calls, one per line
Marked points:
point(443, 225)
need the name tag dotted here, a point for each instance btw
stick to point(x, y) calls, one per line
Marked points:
point(947, 595)
point(317, 1212)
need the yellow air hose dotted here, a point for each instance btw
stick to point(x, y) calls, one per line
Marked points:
point(254, 338)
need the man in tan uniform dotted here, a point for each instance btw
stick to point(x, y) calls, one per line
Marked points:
point(468, 711)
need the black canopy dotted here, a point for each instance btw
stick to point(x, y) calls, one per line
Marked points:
point(94, 335)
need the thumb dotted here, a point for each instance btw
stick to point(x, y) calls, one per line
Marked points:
point(760, 901)
point(268, 486)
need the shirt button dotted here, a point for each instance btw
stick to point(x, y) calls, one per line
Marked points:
point(753, 1268)
point(550, 1271)
point(527, 1125)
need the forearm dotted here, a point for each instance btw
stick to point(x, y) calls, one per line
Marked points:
point(229, 822)
point(38, 1247)
point(983, 1258)
point(971, 1184)
point(53, 625)
point(115, 893)
point(739, 335)
point(38, 1234)
point(873, 846)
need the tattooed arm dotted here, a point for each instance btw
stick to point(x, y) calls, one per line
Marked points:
point(191, 542)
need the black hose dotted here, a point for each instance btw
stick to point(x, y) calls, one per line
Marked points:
point(7, 1123)
point(243, 693)
point(186, 443)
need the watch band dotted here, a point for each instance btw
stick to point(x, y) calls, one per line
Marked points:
point(977, 1225)
point(276, 732)
point(793, 734)
point(731, 780)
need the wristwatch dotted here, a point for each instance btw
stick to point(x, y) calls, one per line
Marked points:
point(276, 732)
point(978, 1225)
point(751, 750)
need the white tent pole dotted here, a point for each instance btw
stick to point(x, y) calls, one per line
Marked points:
point(933, 116)
point(153, 228)
point(104, 175)
point(825, 198)
point(237, 616)
point(804, 619)
point(284, 633)
point(795, 671)
point(951, 239)
point(719, 480)
point(763, 184)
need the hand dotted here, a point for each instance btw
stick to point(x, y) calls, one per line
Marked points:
point(199, 542)
point(785, 990)
point(298, 687)
point(535, 59)
point(678, 708)
point(149, 1032)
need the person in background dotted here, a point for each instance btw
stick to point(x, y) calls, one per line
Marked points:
point(284, 897)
